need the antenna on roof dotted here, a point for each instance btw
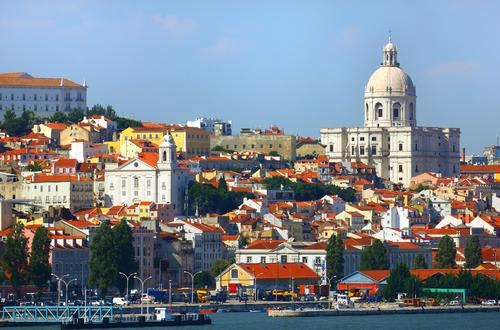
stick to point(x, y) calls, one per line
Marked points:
point(62, 82)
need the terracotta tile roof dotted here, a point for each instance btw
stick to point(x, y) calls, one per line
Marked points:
point(264, 244)
point(66, 162)
point(15, 81)
point(279, 270)
point(56, 126)
point(377, 275)
point(59, 178)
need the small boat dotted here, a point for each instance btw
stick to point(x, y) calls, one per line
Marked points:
point(220, 310)
point(208, 310)
point(256, 311)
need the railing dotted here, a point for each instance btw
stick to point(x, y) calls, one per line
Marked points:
point(30, 314)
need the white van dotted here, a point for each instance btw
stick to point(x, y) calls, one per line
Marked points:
point(120, 301)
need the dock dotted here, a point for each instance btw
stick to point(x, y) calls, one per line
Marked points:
point(376, 311)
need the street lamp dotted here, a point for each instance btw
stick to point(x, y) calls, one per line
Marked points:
point(192, 283)
point(127, 277)
point(67, 284)
point(59, 279)
point(330, 281)
point(142, 290)
point(255, 285)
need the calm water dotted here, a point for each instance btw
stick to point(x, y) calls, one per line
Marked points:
point(260, 321)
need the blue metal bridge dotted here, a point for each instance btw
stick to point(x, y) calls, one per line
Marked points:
point(40, 314)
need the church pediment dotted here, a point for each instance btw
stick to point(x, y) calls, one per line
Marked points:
point(284, 248)
point(136, 164)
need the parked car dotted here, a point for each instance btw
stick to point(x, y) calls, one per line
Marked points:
point(489, 302)
point(454, 303)
point(120, 301)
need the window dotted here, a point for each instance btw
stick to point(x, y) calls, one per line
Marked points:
point(416, 168)
point(284, 259)
point(411, 111)
point(270, 146)
point(262, 260)
point(111, 186)
point(12, 97)
point(249, 260)
point(379, 110)
point(400, 147)
point(362, 150)
point(362, 138)
point(234, 273)
point(416, 147)
point(304, 260)
point(24, 97)
point(374, 138)
point(57, 97)
point(136, 182)
point(331, 147)
point(454, 147)
point(400, 168)
point(124, 184)
point(353, 150)
point(46, 97)
point(34, 97)
point(374, 150)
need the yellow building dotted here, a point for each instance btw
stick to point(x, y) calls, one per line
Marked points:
point(190, 141)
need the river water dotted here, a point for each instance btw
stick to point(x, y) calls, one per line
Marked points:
point(260, 321)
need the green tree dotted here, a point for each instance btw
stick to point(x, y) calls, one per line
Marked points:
point(59, 117)
point(125, 257)
point(204, 279)
point(445, 257)
point(335, 257)
point(401, 281)
point(205, 198)
point(222, 184)
point(15, 257)
point(33, 167)
point(472, 253)
point(219, 266)
point(39, 266)
point(222, 149)
point(374, 257)
point(75, 115)
point(103, 256)
point(419, 262)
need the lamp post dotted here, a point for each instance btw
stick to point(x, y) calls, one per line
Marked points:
point(59, 287)
point(67, 284)
point(330, 281)
point(142, 290)
point(255, 285)
point(192, 283)
point(127, 277)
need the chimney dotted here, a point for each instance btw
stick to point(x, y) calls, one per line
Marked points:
point(463, 155)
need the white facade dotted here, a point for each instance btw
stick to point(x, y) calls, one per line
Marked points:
point(390, 140)
point(311, 255)
point(81, 150)
point(211, 125)
point(139, 179)
point(44, 96)
point(70, 191)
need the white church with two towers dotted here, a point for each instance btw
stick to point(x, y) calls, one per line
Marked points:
point(390, 139)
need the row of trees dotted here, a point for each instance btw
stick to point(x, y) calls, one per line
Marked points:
point(308, 191)
point(401, 280)
point(205, 198)
point(111, 252)
point(21, 125)
point(375, 257)
point(14, 260)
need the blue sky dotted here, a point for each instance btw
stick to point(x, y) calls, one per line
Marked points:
point(301, 65)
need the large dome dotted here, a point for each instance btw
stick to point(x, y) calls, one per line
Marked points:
point(390, 80)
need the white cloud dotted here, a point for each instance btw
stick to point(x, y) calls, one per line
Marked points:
point(222, 47)
point(451, 67)
point(179, 28)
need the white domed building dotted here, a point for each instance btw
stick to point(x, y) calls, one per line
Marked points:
point(390, 140)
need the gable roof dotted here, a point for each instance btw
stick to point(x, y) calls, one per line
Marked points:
point(279, 270)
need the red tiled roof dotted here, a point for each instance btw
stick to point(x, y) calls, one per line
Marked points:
point(6, 80)
point(264, 244)
point(59, 178)
point(279, 270)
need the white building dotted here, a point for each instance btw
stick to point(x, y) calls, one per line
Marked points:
point(207, 242)
point(390, 140)
point(73, 192)
point(212, 125)
point(81, 150)
point(261, 251)
point(44, 96)
point(156, 177)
